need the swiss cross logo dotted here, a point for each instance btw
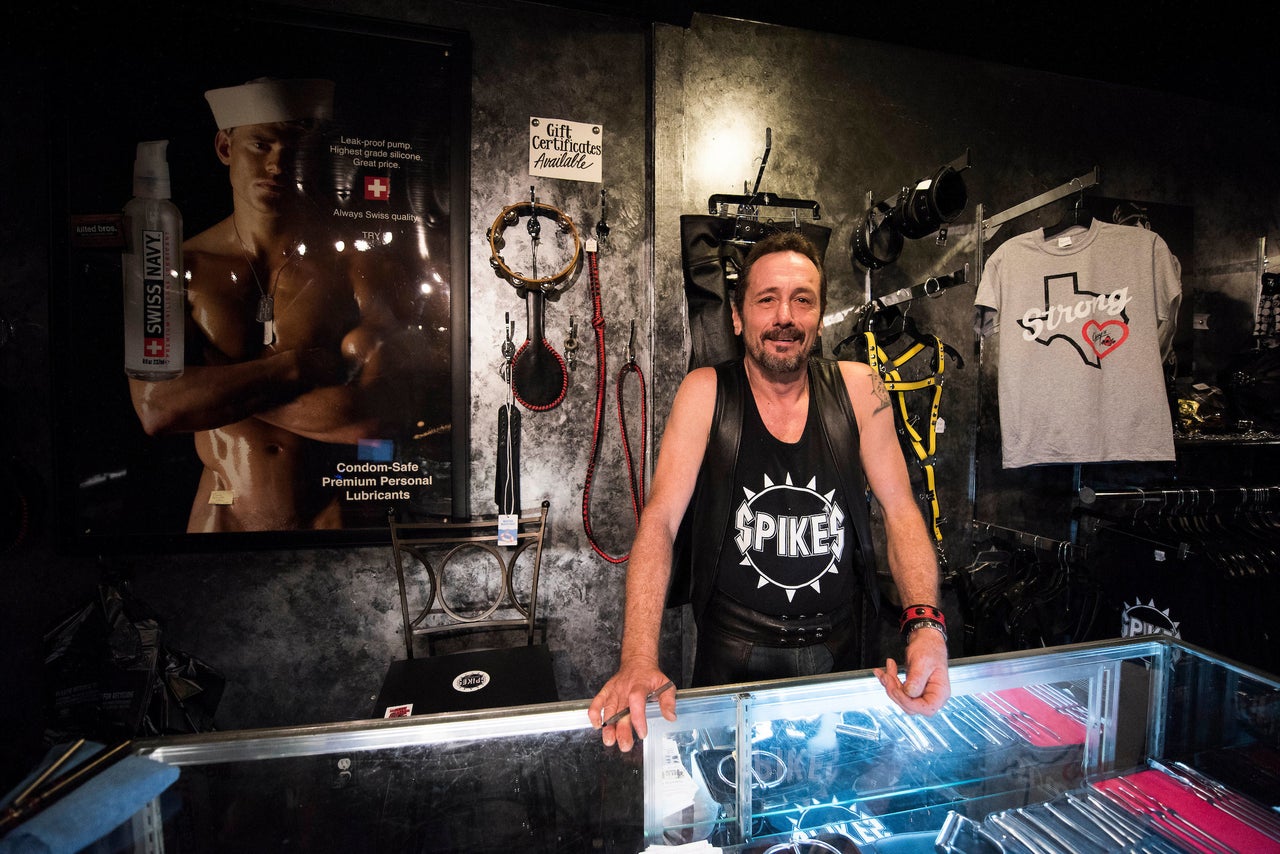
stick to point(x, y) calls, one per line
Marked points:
point(377, 188)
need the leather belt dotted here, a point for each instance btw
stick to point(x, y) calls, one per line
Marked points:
point(730, 617)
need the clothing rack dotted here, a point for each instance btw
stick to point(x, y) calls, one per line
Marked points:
point(988, 226)
point(1189, 497)
point(1065, 548)
point(1175, 546)
point(748, 203)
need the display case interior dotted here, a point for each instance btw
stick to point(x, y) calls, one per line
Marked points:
point(1080, 749)
point(1145, 744)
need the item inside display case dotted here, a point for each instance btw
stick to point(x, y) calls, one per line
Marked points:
point(1100, 756)
point(873, 773)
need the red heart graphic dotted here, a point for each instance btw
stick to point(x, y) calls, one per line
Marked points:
point(1104, 339)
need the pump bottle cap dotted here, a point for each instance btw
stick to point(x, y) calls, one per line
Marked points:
point(151, 170)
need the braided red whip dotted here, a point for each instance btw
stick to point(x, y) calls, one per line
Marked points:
point(637, 483)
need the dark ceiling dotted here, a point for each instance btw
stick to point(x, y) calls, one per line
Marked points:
point(1214, 52)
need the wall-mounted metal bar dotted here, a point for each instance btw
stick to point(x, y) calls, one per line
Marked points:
point(719, 202)
point(1067, 549)
point(931, 287)
point(1259, 272)
point(1075, 185)
point(1189, 497)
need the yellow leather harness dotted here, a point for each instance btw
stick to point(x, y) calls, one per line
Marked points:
point(925, 446)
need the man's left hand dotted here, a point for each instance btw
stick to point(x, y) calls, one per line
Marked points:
point(927, 684)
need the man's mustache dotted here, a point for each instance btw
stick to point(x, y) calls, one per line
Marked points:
point(783, 335)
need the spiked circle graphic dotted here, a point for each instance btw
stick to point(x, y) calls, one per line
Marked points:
point(791, 536)
point(1139, 620)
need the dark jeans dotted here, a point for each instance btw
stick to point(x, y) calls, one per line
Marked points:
point(736, 644)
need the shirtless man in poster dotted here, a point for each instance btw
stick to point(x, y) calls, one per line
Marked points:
point(297, 344)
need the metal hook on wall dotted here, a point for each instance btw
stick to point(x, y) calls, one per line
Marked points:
point(764, 159)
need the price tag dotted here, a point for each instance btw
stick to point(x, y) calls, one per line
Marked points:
point(508, 529)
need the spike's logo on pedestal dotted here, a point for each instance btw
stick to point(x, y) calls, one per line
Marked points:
point(472, 680)
point(1138, 620)
point(791, 536)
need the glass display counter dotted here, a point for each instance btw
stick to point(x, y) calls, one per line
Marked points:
point(529, 778)
point(1135, 745)
point(1144, 744)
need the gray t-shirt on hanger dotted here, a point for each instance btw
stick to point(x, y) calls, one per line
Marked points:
point(1081, 317)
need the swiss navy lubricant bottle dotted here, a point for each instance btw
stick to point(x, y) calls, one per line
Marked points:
point(153, 276)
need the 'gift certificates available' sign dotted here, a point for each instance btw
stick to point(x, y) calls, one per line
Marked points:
point(563, 149)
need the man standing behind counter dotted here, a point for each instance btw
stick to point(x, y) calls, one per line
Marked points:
point(749, 604)
point(297, 343)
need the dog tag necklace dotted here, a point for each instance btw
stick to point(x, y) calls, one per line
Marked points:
point(266, 313)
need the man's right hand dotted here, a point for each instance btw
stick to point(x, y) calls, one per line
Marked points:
point(628, 689)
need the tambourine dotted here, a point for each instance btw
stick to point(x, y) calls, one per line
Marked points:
point(511, 215)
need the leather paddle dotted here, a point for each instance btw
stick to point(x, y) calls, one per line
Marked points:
point(538, 374)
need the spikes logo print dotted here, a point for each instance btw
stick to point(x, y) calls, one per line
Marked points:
point(790, 536)
point(1139, 620)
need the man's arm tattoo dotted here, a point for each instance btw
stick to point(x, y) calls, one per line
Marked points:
point(881, 393)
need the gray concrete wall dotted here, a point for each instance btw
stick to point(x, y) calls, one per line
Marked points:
point(305, 636)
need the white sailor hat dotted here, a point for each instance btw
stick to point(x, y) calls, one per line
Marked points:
point(265, 101)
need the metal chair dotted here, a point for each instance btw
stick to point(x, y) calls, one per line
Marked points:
point(468, 585)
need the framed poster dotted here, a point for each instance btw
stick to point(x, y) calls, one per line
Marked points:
point(319, 167)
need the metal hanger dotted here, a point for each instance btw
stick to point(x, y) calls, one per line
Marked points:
point(748, 204)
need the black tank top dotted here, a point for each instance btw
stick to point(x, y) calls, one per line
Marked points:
point(789, 547)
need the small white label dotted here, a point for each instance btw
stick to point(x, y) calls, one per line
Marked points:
point(1157, 555)
point(471, 681)
point(941, 426)
point(1064, 242)
point(508, 529)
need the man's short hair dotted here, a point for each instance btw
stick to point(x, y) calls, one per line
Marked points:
point(781, 241)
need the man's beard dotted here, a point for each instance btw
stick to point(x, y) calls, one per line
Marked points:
point(773, 363)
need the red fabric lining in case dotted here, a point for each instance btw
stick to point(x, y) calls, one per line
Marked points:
point(1171, 794)
point(1042, 715)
